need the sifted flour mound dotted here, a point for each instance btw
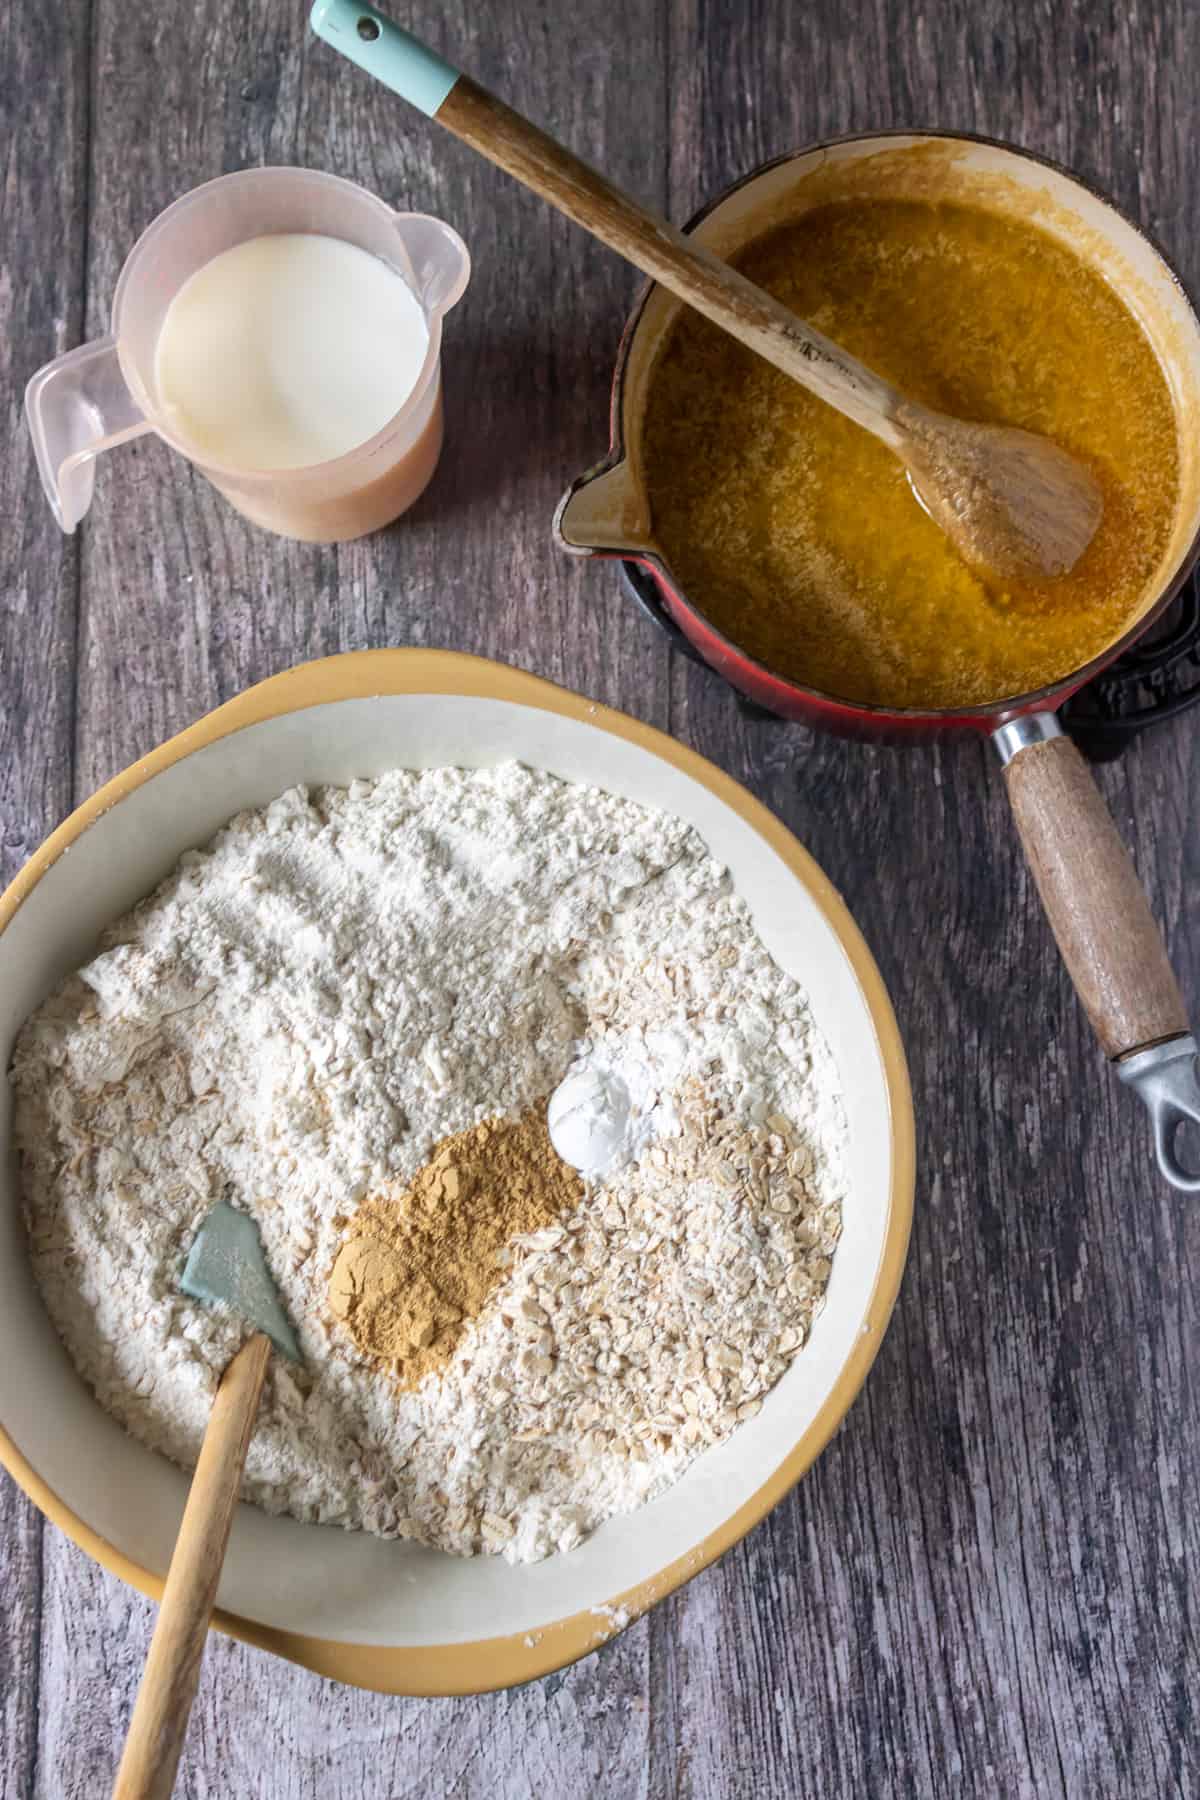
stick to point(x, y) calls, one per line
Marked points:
point(303, 1011)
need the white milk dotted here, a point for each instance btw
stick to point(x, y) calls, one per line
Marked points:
point(288, 350)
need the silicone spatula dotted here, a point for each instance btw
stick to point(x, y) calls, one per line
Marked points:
point(226, 1266)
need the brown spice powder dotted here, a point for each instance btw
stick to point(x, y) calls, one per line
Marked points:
point(418, 1264)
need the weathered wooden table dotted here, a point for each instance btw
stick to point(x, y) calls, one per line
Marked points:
point(983, 1586)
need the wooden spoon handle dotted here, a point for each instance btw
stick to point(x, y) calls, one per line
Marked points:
point(1095, 903)
point(660, 250)
point(164, 1701)
point(375, 43)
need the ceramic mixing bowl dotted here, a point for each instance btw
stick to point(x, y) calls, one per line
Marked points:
point(393, 1615)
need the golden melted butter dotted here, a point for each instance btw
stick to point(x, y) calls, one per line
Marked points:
point(796, 533)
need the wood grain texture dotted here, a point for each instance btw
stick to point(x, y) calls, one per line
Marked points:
point(168, 1685)
point(984, 1585)
point(45, 138)
point(1096, 905)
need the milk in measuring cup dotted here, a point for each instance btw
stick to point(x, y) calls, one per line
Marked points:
point(281, 329)
point(288, 350)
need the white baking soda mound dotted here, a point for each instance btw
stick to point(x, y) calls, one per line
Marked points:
point(588, 1116)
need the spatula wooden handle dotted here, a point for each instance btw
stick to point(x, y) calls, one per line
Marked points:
point(164, 1701)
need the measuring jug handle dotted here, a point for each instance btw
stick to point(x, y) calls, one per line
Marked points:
point(439, 260)
point(77, 406)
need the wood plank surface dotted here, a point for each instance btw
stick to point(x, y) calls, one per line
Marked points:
point(983, 1587)
point(44, 134)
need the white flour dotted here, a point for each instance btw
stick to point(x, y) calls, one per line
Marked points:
point(302, 1011)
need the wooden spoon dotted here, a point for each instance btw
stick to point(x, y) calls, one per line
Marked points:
point(1008, 500)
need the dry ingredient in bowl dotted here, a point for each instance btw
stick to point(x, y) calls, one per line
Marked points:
point(417, 1266)
point(300, 1017)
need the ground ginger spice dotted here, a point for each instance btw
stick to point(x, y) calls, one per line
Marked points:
point(418, 1264)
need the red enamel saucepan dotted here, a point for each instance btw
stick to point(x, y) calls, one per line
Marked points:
point(1095, 903)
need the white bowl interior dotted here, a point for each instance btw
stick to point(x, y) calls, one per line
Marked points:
point(319, 1580)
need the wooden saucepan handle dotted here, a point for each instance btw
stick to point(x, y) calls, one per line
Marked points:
point(1110, 943)
point(1097, 908)
point(164, 1702)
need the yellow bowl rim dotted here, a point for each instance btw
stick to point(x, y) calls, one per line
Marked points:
point(490, 1663)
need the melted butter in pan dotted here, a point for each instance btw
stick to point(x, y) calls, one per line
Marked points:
point(796, 533)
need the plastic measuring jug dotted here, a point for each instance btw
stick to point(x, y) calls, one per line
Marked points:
point(105, 393)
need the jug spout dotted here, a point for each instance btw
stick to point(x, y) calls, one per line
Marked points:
point(438, 258)
point(77, 406)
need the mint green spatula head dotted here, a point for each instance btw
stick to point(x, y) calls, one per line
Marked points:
point(226, 1262)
